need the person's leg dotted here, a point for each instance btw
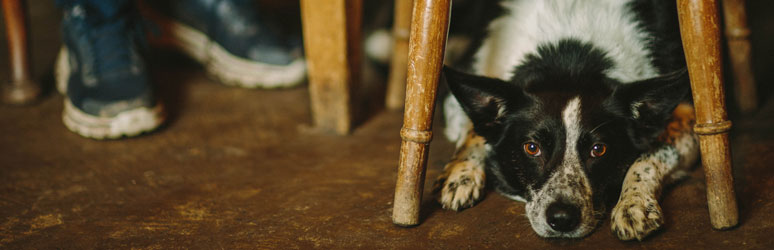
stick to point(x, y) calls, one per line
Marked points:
point(101, 69)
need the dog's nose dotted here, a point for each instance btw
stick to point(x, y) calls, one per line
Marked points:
point(563, 217)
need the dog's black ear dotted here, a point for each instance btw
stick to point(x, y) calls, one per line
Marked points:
point(485, 100)
point(650, 102)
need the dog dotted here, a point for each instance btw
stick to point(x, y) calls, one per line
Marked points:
point(571, 104)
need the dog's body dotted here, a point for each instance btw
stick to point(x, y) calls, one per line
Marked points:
point(572, 102)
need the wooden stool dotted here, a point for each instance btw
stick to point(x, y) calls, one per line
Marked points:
point(21, 89)
point(701, 40)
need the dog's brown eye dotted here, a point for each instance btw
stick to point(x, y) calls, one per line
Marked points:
point(532, 149)
point(598, 150)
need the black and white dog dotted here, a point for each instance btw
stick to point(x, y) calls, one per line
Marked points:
point(571, 104)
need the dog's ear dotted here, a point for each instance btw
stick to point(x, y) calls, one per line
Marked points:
point(484, 99)
point(650, 102)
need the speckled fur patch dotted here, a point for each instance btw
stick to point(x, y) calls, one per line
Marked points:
point(637, 213)
point(462, 182)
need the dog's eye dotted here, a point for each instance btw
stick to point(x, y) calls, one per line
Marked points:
point(598, 150)
point(532, 149)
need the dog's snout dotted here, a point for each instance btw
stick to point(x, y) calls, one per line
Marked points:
point(563, 217)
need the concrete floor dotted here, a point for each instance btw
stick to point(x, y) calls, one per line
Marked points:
point(237, 168)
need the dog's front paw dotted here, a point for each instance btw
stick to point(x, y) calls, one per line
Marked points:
point(636, 216)
point(461, 185)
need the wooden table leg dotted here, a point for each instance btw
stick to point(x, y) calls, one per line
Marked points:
point(429, 27)
point(699, 28)
point(332, 39)
point(396, 83)
point(737, 35)
point(22, 89)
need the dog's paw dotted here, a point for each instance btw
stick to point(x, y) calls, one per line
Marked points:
point(636, 216)
point(460, 186)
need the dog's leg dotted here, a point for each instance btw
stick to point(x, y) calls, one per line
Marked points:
point(637, 213)
point(462, 182)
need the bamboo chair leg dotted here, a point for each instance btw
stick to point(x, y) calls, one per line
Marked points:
point(396, 82)
point(21, 89)
point(429, 27)
point(700, 32)
point(737, 34)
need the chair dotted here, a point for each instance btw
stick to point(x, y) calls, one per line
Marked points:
point(21, 89)
point(699, 27)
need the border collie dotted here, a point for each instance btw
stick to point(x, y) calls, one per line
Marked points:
point(569, 105)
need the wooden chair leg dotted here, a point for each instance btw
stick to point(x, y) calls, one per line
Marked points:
point(396, 82)
point(737, 34)
point(429, 27)
point(22, 89)
point(332, 42)
point(699, 28)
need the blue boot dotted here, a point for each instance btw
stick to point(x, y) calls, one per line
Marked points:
point(102, 72)
point(232, 41)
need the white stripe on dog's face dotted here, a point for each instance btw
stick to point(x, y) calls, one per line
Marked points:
point(571, 118)
point(567, 184)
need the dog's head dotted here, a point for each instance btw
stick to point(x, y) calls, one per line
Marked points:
point(562, 138)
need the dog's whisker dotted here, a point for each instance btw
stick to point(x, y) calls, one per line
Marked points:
point(600, 125)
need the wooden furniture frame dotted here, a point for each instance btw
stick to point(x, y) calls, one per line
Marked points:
point(331, 35)
point(699, 27)
point(737, 37)
point(427, 42)
point(332, 42)
point(21, 89)
point(396, 81)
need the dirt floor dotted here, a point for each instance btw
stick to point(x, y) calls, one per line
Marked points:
point(242, 169)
